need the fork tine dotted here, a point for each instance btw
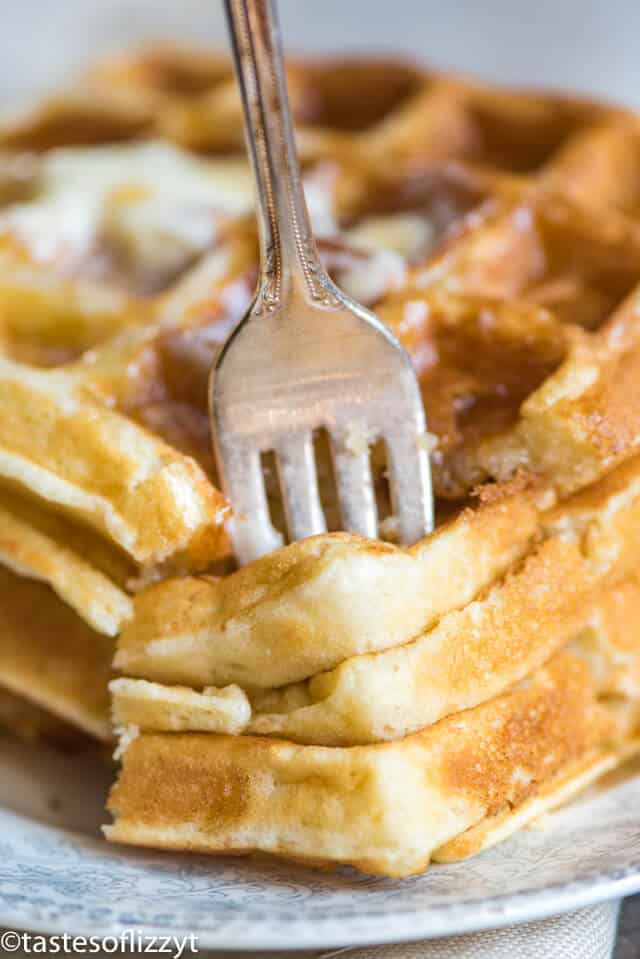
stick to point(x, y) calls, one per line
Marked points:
point(354, 484)
point(299, 485)
point(410, 485)
point(251, 529)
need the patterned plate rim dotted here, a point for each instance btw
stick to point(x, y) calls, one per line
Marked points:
point(261, 929)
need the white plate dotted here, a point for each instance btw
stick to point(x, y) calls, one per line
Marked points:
point(56, 875)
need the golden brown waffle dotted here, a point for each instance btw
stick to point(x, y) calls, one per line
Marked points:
point(506, 632)
point(308, 607)
point(383, 808)
point(50, 657)
point(280, 791)
point(498, 234)
point(550, 252)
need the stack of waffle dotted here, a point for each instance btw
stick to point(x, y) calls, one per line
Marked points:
point(340, 700)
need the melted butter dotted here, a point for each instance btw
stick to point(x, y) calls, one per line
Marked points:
point(138, 214)
point(150, 204)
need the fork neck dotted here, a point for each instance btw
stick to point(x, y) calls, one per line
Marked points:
point(289, 257)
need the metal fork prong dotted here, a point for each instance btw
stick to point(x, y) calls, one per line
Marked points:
point(251, 528)
point(355, 490)
point(410, 485)
point(299, 486)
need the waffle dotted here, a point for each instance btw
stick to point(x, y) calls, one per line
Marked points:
point(340, 700)
point(383, 808)
point(508, 631)
point(308, 607)
point(299, 802)
point(51, 658)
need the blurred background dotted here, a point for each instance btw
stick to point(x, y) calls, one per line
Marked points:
point(588, 45)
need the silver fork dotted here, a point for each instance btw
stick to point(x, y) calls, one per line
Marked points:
point(306, 356)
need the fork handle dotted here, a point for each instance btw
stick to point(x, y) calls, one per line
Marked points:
point(288, 252)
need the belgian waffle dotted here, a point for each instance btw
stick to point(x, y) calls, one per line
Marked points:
point(340, 700)
point(50, 657)
point(385, 808)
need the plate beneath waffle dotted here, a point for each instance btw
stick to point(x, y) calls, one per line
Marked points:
point(57, 876)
